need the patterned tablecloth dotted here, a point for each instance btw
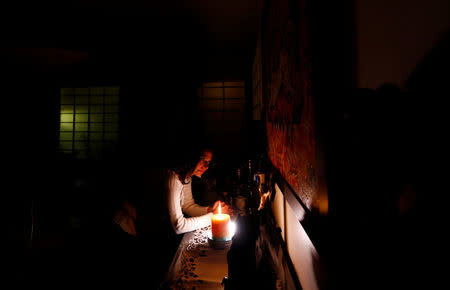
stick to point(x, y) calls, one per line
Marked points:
point(196, 264)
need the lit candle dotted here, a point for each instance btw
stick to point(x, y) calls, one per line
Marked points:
point(219, 225)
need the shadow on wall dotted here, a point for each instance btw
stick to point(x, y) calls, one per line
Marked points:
point(428, 87)
point(391, 142)
point(389, 151)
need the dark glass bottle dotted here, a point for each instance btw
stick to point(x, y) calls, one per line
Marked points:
point(249, 172)
point(252, 187)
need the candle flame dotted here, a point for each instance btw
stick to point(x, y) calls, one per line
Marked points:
point(220, 210)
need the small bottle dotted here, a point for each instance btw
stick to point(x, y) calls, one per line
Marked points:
point(237, 177)
point(250, 172)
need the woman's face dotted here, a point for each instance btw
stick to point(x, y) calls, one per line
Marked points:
point(203, 163)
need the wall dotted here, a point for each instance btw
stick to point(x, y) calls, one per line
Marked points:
point(382, 146)
point(392, 38)
point(283, 65)
point(289, 102)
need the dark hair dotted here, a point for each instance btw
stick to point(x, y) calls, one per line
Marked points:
point(186, 162)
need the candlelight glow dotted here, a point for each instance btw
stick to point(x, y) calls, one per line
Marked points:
point(220, 209)
point(232, 228)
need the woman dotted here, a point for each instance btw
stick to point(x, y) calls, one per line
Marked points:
point(180, 201)
point(154, 228)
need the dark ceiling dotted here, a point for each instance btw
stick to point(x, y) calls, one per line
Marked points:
point(216, 37)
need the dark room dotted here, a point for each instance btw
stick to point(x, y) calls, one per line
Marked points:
point(241, 144)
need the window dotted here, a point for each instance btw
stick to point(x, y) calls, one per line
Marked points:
point(89, 121)
point(222, 109)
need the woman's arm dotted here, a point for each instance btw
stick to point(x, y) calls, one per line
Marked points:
point(189, 206)
point(180, 223)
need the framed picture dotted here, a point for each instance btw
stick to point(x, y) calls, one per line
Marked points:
point(287, 89)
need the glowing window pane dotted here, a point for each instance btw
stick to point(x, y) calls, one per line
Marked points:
point(81, 117)
point(66, 99)
point(112, 118)
point(95, 136)
point(111, 127)
point(82, 91)
point(89, 117)
point(81, 126)
point(111, 108)
point(80, 145)
point(234, 105)
point(81, 136)
point(111, 99)
point(96, 99)
point(65, 136)
point(66, 127)
point(81, 109)
point(66, 109)
point(66, 118)
point(82, 100)
point(96, 127)
point(234, 93)
point(96, 108)
point(212, 92)
point(213, 104)
point(65, 146)
point(96, 118)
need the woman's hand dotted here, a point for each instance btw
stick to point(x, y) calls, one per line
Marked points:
point(214, 208)
point(223, 207)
